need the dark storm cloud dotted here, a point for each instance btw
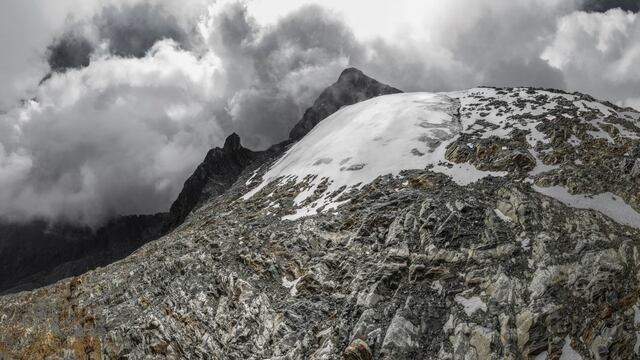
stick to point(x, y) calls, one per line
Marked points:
point(274, 73)
point(131, 30)
point(69, 51)
point(605, 5)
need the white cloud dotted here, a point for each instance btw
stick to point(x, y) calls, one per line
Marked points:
point(116, 137)
point(598, 54)
point(23, 39)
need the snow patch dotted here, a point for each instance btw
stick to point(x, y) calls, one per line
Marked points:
point(471, 305)
point(568, 353)
point(291, 285)
point(314, 208)
point(600, 134)
point(607, 203)
point(464, 173)
point(541, 167)
point(573, 140)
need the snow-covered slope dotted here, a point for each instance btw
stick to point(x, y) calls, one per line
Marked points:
point(380, 136)
point(391, 133)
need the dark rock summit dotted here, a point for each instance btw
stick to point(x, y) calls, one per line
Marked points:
point(352, 86)
point(212, 177)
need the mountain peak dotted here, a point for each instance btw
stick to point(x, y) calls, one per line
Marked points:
point(232, 142)
point(353, 86)
point(219, 170)
point(350, 73)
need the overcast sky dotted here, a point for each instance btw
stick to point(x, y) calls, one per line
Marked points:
point(107, 106)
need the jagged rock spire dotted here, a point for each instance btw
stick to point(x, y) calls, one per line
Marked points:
point(232, 142)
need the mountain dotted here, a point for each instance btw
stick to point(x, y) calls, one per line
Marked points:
point(352, 86)
point(486, 223)
point(38, 253)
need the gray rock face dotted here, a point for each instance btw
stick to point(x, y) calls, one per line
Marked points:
point(352, 86)
point(235, 282)
point(414, 266)
point(219, 170)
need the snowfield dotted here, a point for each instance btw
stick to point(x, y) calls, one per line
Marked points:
point(361, 142)
point(607, 203)
point(391, 133)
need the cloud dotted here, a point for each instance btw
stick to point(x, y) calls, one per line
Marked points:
point(598, 53)
point(606, 5)
point(116, 137)
point(26, 29)
point(70, 51)
point(126, 30)
point(131, 30)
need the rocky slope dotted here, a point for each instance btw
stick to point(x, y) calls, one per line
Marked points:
point(479, 224)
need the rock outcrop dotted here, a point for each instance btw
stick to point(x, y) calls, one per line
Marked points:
point(219, 170)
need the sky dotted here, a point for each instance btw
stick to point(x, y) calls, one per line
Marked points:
point(107, 106)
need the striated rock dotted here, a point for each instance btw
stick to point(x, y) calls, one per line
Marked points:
point(401, 339)
point(635, 170)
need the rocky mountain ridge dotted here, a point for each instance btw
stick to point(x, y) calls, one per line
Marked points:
point(502, 223)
